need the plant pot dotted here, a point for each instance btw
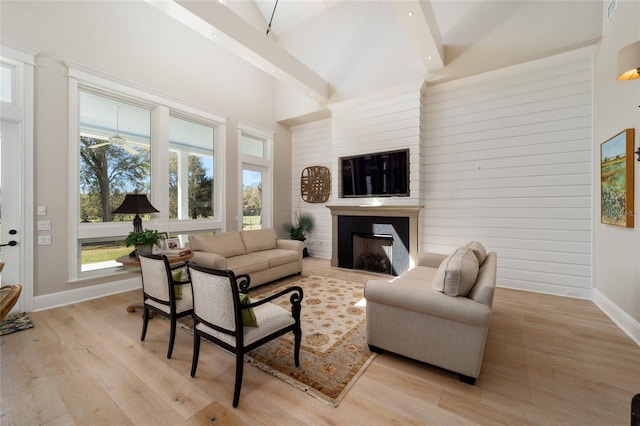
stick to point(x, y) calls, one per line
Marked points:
point(144, 249)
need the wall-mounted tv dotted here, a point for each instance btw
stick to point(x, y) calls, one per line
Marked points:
point(382, 174)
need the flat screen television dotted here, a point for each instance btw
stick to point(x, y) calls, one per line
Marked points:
point(383, 174)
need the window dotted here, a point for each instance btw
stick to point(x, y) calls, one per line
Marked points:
point(125, 140)
point(255, 150)
point(115, 155)
point(190, 170)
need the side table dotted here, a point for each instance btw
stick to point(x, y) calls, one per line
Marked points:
point(133, 262)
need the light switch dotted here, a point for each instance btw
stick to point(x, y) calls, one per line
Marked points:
point(42, 210)
point(44, 225)
point(44, 240)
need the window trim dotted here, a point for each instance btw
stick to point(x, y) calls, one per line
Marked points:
point(162, 106)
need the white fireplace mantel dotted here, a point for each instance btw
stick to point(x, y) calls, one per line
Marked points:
point(410, 211)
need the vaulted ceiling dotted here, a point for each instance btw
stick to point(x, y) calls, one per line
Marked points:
point(336, 49)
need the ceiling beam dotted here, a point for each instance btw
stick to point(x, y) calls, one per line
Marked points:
point(218, 23)
point(419, 21)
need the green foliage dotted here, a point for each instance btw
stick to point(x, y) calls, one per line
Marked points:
point(106, 173)
point(146, 238)
point(200, 188)
point(299, 226)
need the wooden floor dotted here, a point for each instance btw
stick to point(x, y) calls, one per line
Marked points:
point(549, 360)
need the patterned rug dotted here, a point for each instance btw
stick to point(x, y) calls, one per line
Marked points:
point(334, 352)
point(15, 322)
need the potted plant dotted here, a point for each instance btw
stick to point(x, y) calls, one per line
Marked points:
point(299, 226)
point(144, 241)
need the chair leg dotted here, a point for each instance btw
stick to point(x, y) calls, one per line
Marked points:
point(196, 353)
point(172, 337)
point(239, 370)
point(145, 321)
point(297, 333)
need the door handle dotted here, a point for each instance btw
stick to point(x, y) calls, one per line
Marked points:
point(10, 243)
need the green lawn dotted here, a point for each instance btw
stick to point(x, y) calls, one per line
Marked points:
point(95, 254)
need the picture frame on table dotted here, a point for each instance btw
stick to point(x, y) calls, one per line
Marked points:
point(161, 245)
point(172, 243)
point(616, 180)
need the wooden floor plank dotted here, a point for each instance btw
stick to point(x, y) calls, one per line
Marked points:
point(549, 360)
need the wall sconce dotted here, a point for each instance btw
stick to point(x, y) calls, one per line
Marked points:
point(629, 67)
point(629, 61)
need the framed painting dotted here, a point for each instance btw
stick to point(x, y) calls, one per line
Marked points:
point(616, 179)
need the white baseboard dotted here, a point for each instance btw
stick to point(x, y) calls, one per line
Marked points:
point(554, 290)
point(624, 321)
point(62, 298)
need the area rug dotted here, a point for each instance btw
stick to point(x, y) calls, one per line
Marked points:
point(15, 322)
point(334, 352)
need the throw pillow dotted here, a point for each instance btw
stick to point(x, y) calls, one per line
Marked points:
point(457, 274)
point(248, 316)
point(177, 276)
point(478, 250)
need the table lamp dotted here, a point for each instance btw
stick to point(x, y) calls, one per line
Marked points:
point(136, 203)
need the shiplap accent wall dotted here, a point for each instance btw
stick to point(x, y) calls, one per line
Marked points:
point(506, 160)
point(382, 122)
point(312, 147)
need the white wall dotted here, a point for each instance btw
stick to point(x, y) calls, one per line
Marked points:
point(617, 250)
point(134, 42)
point(507, 161)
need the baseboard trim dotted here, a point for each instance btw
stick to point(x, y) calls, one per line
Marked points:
point(624, 321)
point(573, 292)
point(77, 295)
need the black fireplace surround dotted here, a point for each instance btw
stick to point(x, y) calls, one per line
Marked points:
point(397, 227)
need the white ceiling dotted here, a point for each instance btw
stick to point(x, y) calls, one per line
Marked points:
point(338, 49)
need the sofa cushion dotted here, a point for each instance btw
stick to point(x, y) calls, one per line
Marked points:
point(259, 239)
point(277, 257)
point(457, 274)
point(247, 264)
point(226, 244)
point(479, 250)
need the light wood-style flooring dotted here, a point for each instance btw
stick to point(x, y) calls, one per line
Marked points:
point(549, 360)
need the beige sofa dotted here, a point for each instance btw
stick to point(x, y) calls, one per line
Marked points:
point(438, 312)
point(259, 253)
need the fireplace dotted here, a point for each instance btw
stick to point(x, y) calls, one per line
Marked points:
point(397, 225)
point(373, 252)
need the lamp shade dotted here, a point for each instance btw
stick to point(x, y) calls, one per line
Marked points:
point(629, 61)
point(136, 203)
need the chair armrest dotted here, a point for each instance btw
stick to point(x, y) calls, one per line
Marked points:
point(210, 260)
point(296, 297)
point(432, 260)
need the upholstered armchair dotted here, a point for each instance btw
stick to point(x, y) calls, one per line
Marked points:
point(163, 294)
point(226, 317)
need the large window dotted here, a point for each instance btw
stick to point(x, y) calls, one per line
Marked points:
point(115, 154)
point(255, 152)
point(129, 141)
point(191, 170)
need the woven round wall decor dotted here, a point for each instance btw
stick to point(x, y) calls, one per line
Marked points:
point(315, 184)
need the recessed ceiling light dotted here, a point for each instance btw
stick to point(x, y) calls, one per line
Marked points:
point(410, 13)
point(429, 57)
